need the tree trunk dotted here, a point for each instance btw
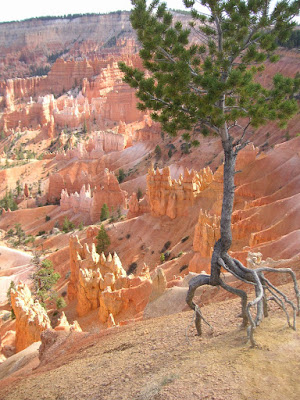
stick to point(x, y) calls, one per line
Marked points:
point(220, 258)
point(228, 195)
point(223, 245)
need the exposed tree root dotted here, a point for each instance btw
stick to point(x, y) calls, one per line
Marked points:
point(250, 276)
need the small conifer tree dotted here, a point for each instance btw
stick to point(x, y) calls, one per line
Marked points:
point(103, 240)
point(104, 212)
point(44, 279)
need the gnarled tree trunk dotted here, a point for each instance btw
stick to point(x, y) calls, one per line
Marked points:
point(221, 259)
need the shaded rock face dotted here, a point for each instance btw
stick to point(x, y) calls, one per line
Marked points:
point(173, 198)
point(101, 282)
point(63, 325)
point(31, 317)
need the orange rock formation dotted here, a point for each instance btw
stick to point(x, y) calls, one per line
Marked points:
point(171, 197)
point(31, 317)
point(101, 282)
point(86, 202)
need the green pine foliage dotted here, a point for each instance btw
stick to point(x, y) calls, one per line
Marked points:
point(12, 285)
point(60, 303)
point(121, 176)
point(157, 151)
point(8, 202)
point(293, 42)
point(44, 279)
point(68, 226)
point(104, 212)
point(19, 232)
point(207, 85)
point(103, 240)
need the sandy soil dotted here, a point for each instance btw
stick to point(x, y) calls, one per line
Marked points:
point(162, 359)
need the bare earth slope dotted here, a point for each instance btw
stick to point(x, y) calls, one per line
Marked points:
point(155, 359)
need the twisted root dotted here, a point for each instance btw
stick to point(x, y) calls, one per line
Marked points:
point(254, 277)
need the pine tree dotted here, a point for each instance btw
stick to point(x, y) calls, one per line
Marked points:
point(104, 212)
point(205, 83)
point(44, 279)
point(103, 240)
point(121, 175)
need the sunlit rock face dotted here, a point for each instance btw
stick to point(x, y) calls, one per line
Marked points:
point(90, 204)
point(98, 281)
point(31, 317)
point(173, 197)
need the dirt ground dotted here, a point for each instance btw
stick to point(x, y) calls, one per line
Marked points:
point(163, 359)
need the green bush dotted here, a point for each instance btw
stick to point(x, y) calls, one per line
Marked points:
point(68, 226)
point(60, 303)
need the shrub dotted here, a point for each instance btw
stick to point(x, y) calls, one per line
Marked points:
point(139, 194)
point(162, 258)
point(47, 218)
point(8, 202)
point(184, 239)
point(183, 267)
point(40, 233)
point(60, 303)
point(29, 239)
point(68, 226)
point(167, 255)
point(132, 268)
point(103, 240)
point(10, 232)
point(19, 233)
point(167, 245)
point(157, 151)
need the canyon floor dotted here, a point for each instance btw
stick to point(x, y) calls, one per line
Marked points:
point(163, 359)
